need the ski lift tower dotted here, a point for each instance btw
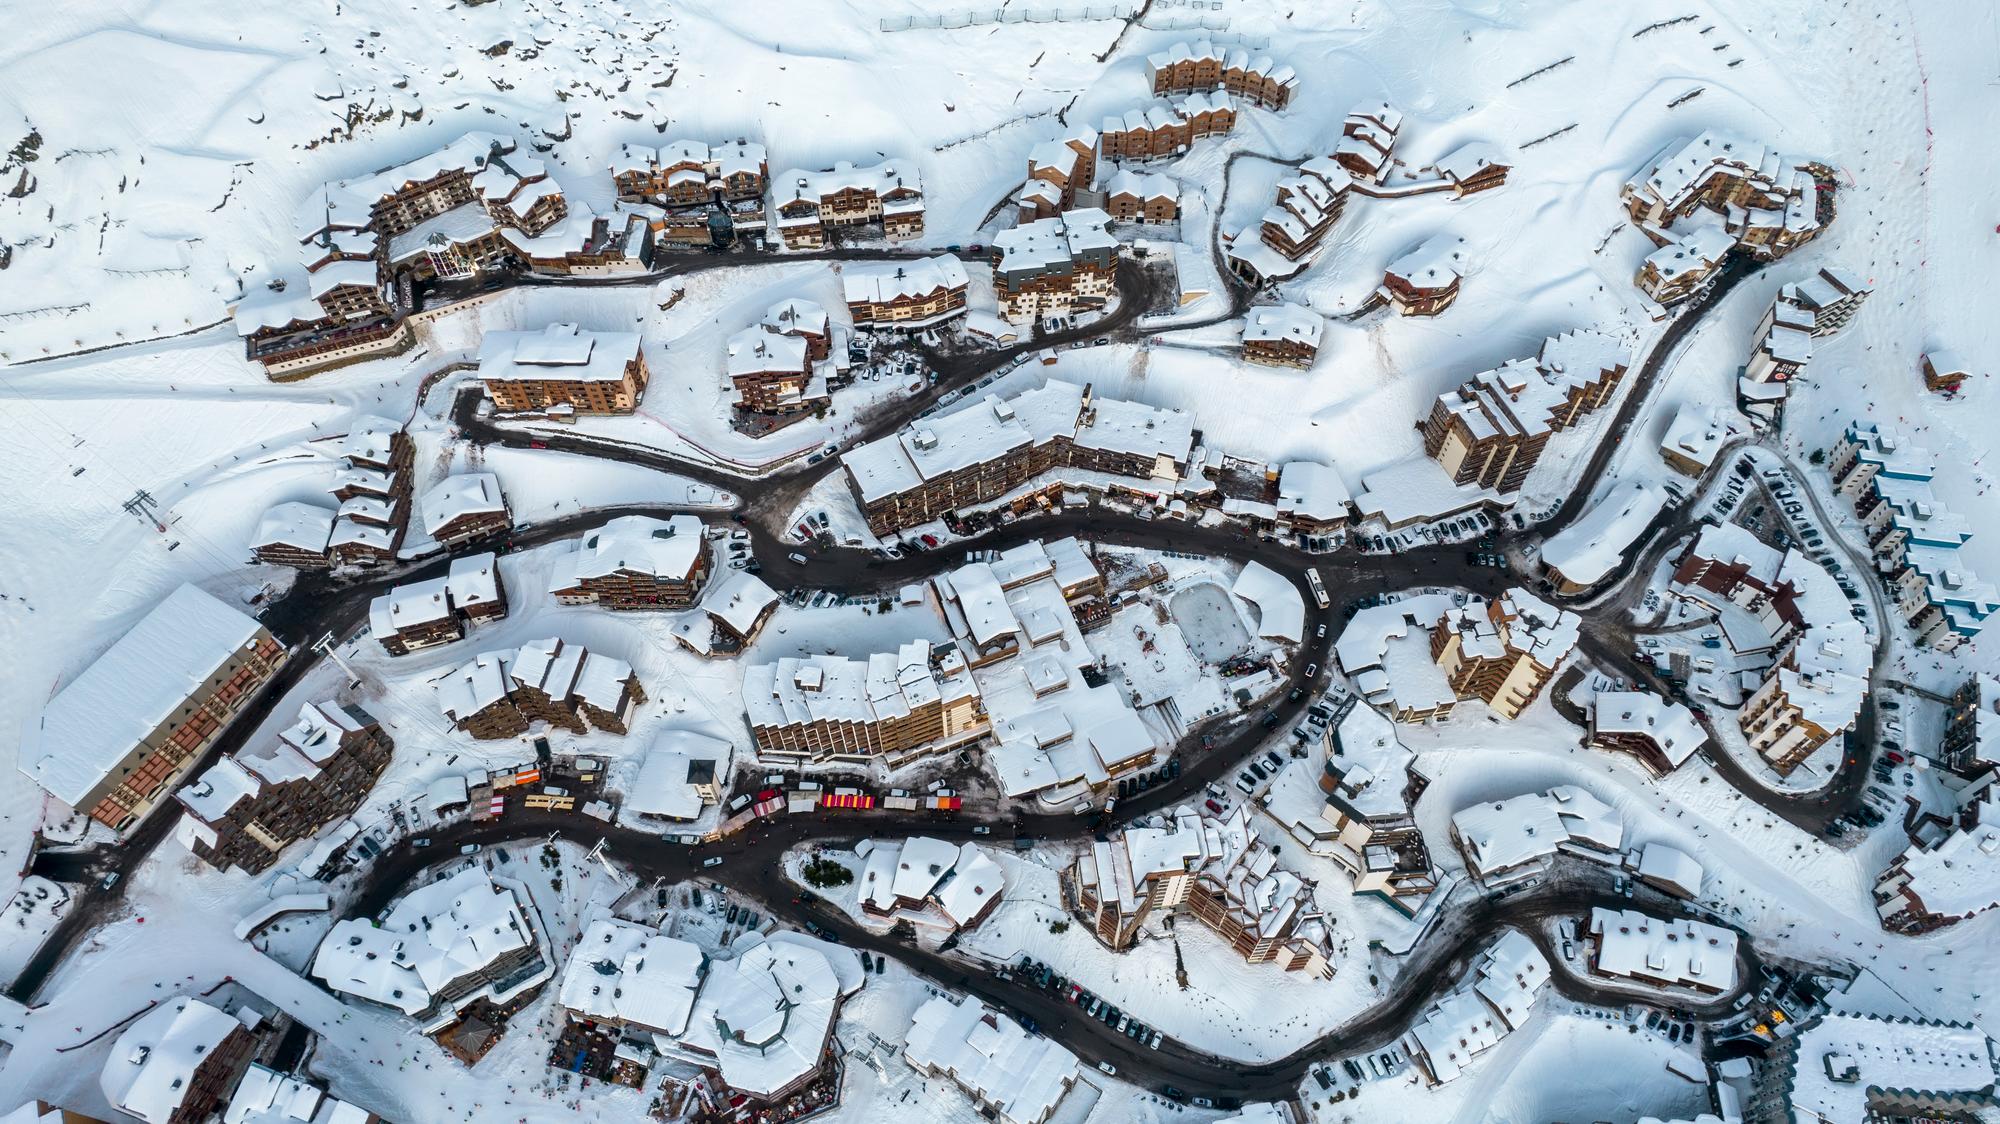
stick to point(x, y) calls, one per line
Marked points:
point(328, 646)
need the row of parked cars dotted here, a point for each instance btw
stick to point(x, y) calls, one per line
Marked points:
point(1046, 978)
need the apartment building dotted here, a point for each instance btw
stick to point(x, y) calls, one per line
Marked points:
point(1504, 651)
point(1767, 203)
point(465, 506)
point(503, 694)
point(1372, 784)
point(1166, 129)
point(1186, 68)
point(373, 490)
point(1471, 168)
point(294, 534)
point(896, 706)
point(1677, 270)
point(635, 562)
point(563, 368)
point(1368, 141)
point(905, 296)
point(772, 373)
point(1491, 431)
point(1425, 281)
point(1057, 171)
point(1054, 266)
point(1147, 197)
point(982, 451)
point(1304, 209)
point(176, 1063)
point(1833, 295)
point(1472, 1018)
point(249, 806)
point(632, 978)
point(807, 207)
point(1012, 1075)
point(1926, 888)
point(1282, 335)
point(690, 172)
point(439, 949)
point(427, 613)
point(115, 739)
point(1661, 952)
point(949, 886)
point(1658, 733)
point(1914, 538)
point(1312, 498)
point(1506, 841)
point(1214, 868)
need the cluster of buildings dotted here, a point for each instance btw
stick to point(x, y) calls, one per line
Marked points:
point(425, 614)
point(694, 193)
point(1491, 431)
point(1062, 175)
point(563, 371)
point(984, 451)
point(119, 736)
point(1914, 538)
point(503, 694)
point(184, 1061)
point(1699, 198)
point(1012, 1075)
point(1501, 652)
point(895, 706)
point(473, 205)
point(905, 296)
point(784, 363)
point(1951, 870)
point(1368, 821)
point(251, 805)
point(1497, 999)
point(807, 207)
point(439, 949)
point(635, 563)
point(1676, 953)
point(949, 886)
point(1166, 128)
point(1787, 606)
point(758, 1025)
point(1212, 867)
point(1054, 266)
point(371, 487)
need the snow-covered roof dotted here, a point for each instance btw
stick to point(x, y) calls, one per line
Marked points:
point(1697, 433)
point(738, 600)
point(886, 282)
point(1586, 551)
point(630, 974)
point(885, 686)
point(1670, 725)
point(764, 1017)
point(1311, 490)
point(470, 582)
point(1677, 950)
point(640, 544)
point(796, 314)
point(126, 693)
point(1281, 611)
point(350, 203)
point(153, 1062)
point(303, 525)
point(1434, 264)
point(1845, 1060)
point(1672, 866)
point(1142, 186)
point(1960, 876)
point(1373, 763)
point(1037, 246)
point(437, 934)
point(677, 761)
point(561, 352)
point(1502, 834)
point(883, 178)
point(1469, 159)
point(1024, 1076)
point(757, 350)
point(1474, 1016)
point(266, 1096)
point(1272, 323)
point(459, 495)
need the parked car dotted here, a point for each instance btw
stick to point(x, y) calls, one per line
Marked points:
point(1108, 1068)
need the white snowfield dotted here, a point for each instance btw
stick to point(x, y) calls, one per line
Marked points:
point(150, 157)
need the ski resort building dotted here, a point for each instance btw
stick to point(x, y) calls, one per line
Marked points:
point(563, 367)
point(896, 706)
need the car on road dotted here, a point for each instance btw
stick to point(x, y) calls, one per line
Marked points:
point(109, 880)
point(422, 842)
point(711, 862)
point(982, 829)
point(469, 849)
point(1312, 671)
point(796, 558)
point(1319, 633)
point(1108, 1068)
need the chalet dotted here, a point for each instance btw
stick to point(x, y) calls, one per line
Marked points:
point(1282, 335)
point(1142, 197)
point(635, 562)
point(806, 206)
point(563, 366)
point(905, 296)
point(1054, 266)
point(503, 694)
point(1424, 282)
point(1472, 168)
point(294, 534)
point(427, 613)
point(464, 507)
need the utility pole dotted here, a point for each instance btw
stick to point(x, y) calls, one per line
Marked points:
point(328, 646)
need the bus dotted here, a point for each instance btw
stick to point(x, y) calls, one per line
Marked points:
point(1318, 587)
